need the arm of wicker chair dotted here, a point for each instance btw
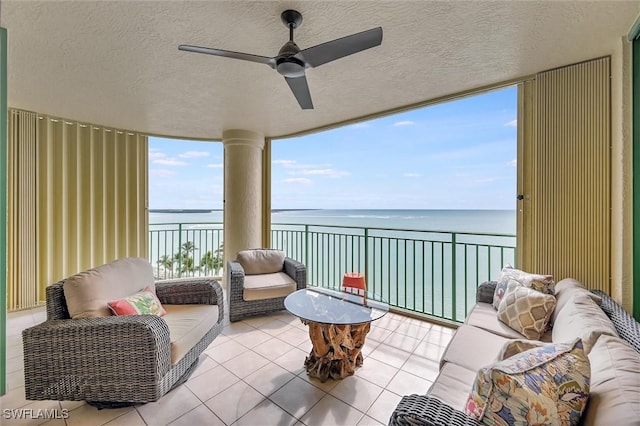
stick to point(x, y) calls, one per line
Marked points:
point(184, 291)
point(485, 291)
point(423, 410)
point(88, 358)
point(297, 271)
point(235, 280)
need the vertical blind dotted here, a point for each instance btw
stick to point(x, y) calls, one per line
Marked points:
point(78, 199)
point(566, 177)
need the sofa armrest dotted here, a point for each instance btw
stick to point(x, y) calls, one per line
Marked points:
point(297, 271)
point(187, 291)
point(423, 410)
point(485, 291)
point(60, 355)
point(626, 326)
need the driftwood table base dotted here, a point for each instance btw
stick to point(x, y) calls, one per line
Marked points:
point(337, 349)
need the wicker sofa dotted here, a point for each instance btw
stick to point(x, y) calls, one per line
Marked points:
point(259, 280)
point(83, 352)
point(610, 333)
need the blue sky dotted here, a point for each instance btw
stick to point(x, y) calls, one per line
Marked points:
point(455, 155)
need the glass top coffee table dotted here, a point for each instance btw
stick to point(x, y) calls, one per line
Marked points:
point(338, 323)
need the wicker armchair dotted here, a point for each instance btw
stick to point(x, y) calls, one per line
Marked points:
point(240, 308)
point(116, 360)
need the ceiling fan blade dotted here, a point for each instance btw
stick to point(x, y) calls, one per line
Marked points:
point(230, 54)
point(339, 48)
point(300, 89)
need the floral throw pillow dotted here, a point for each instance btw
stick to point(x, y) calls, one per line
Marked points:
point(544, 385)
point(542, 283)
point(141, 303)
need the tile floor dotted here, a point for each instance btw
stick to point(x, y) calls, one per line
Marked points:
point(253, 374)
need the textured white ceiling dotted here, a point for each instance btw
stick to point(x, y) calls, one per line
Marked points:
point(117, 63)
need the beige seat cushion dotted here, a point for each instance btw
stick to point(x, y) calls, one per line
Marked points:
point(267, 286)
point(453, 385)
point(187, 325)
point(615, 384)
point(261, 261)
point(582, 317)
point(473, 348)
point(485, 317)
point(87, 293)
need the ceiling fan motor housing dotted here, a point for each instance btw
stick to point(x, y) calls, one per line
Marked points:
point(290, 67)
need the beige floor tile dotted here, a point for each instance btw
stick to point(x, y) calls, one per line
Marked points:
point(72, 405)
point(422, 367)
point(297, 397)
point(34, 413)
point(245, 364)
point(219, 340)
point(400, 341)
point(383, 406)
point(438, 338)
point(226, 351)
point(211, 383)
point(275, 327)
point(429, 350)
point(132, 418)
point(293, 336)
point(14, 398)
point(377, 334)
point(357, 392)
point(388, 323)
point(15, 363)
point(170, 407)
point(412, 330)
point(14, 380)
point(201, 415)
point(236, 328)
point(377, 372)
point(269, 378)
point(205, 363)
point(406, 383)
point(292, 361)
point(235, 402)
point(266, 413)
point(326, 386)
point(88, 415)
point(273, 348)
point(259, 321)
point(370, 421)
point(251, 338)
point(390, 355)
point(331, 411)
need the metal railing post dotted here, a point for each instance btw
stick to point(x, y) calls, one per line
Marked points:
point(179, 250)
point(366, 252)
point(453, 277)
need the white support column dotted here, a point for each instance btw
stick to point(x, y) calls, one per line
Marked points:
point(242, 191)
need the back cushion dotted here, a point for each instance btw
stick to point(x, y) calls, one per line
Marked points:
point(261, 261)
point(582, 317)
point(87, 293)
point(566, 289)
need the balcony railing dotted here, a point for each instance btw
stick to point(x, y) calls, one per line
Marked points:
point(427, 272)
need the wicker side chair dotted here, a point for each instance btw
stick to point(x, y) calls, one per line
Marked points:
point(117, 360)
point(241, 305)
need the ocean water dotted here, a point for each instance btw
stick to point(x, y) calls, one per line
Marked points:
point(472, 221)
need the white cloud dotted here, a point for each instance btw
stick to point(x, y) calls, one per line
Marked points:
point(194, 154)
point(512, 123)
point(293, 164)
point(285, 163)
point(326, 172)
point(215, 166)
point(513, 163)
point(304, 181)
point(162, 172)
point(155, 154)
point(169, 162)
point(404, 123)
point(363, 125)
point(412, 175)
point(486, 180)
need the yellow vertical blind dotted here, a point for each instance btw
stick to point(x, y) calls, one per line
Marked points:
point(80, 201)
point(566, 161)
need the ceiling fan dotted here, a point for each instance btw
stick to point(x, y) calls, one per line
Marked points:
point(291, 61)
